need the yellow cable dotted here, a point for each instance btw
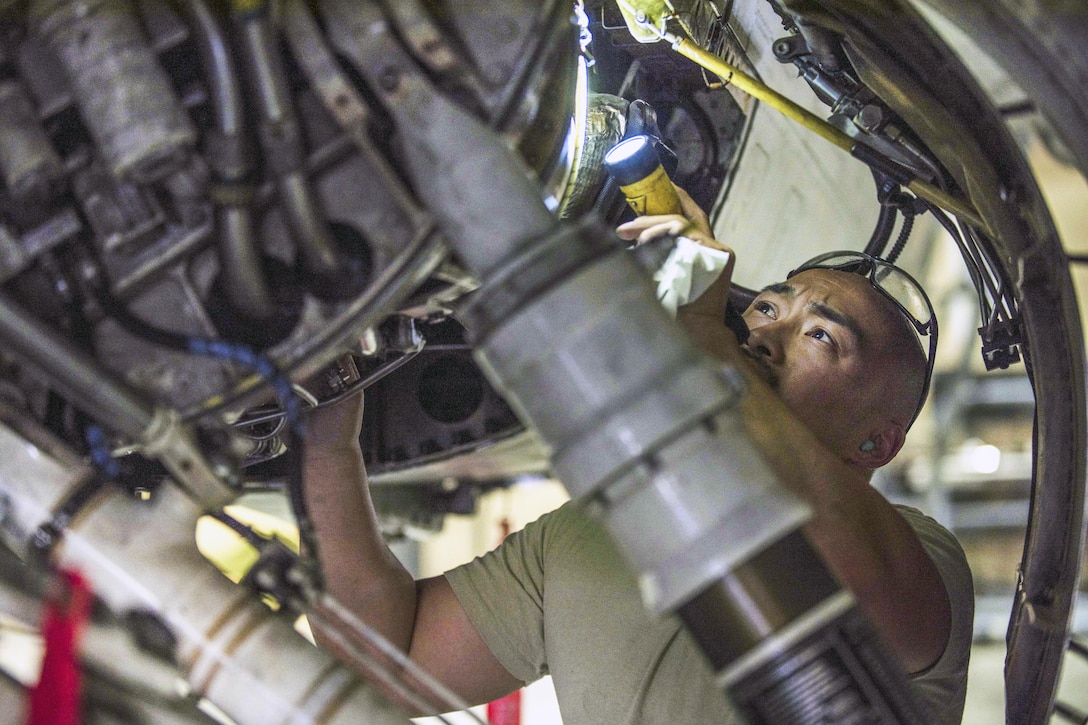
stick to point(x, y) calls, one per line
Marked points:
point(731, 74)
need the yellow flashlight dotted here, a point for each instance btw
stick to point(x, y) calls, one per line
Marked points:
point(633, 163)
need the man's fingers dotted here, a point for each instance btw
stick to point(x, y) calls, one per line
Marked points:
point(694, 225)
point(673, 227)
point(694, 212)
point(644, 228)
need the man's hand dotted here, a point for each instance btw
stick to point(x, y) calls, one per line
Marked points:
point(334, 429)
point(704, 317)
point(694, 225)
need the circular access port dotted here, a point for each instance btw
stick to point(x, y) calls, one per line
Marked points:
point(450, 389)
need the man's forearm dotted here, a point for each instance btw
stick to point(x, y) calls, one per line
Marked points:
point(359, 569)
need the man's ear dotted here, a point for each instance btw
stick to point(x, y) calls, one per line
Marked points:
point(881, 446)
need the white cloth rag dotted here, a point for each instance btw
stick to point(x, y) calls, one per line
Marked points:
point(687, 272)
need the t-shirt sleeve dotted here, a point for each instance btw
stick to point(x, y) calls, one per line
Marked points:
point(944, 685)
point(502, 592)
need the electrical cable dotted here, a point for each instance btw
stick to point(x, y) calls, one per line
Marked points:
point(251, 537)
point(986, 252)
point(981, 270)
point(885, 222)
point(356, 387)
point(265, 368)
point(307, 532)
point(363, 383)
point(970, 261)
point(218, 349)
point(280, 424)
point(305, 394)
point(904, 235)
point(101, 455)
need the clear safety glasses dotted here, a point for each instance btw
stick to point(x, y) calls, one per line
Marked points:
point(899, 287)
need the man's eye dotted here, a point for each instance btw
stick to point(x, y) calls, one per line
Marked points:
point(821, 334)
point(764, 308)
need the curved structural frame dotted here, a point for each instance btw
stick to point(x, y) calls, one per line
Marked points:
point(958, 124)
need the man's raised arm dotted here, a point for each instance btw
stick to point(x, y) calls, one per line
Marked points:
point(422, 618)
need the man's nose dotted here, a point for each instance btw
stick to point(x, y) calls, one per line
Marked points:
point(766, 342)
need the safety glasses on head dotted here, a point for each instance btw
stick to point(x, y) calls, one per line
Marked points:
point(899, 287)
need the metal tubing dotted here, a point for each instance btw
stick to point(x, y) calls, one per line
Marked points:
point(28, 163)
point(124, 95)
point(474, 186)
point(388, 668)
point(229, 158)
point(342, 100)
point(773, 639)
point(217, 59)
point(319, 255)
point(82, 379)
point(240, 262)
point(282, 142)
point(232, 649)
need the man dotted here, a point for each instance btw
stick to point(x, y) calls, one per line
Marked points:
point(836, 377)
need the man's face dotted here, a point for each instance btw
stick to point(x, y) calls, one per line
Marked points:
point(821, 341)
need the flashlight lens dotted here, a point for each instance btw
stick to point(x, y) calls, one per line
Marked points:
point(632, 159)
point(626, 149)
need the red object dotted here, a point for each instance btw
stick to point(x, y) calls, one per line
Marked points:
point(55, 699)
point(507, 709)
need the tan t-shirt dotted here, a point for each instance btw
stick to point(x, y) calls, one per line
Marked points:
point(556, 598)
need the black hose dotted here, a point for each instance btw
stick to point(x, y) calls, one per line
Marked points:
point(885, 221)
point(307, 535)
point(229, 157)
point(251, 537)
point(221, 350)
point(901, 240)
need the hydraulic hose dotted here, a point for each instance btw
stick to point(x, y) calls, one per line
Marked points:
point(281, 141)
point(229, 157)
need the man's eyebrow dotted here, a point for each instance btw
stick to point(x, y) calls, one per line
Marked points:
point(780, 288)
point(832, 315)
point(825, 311)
